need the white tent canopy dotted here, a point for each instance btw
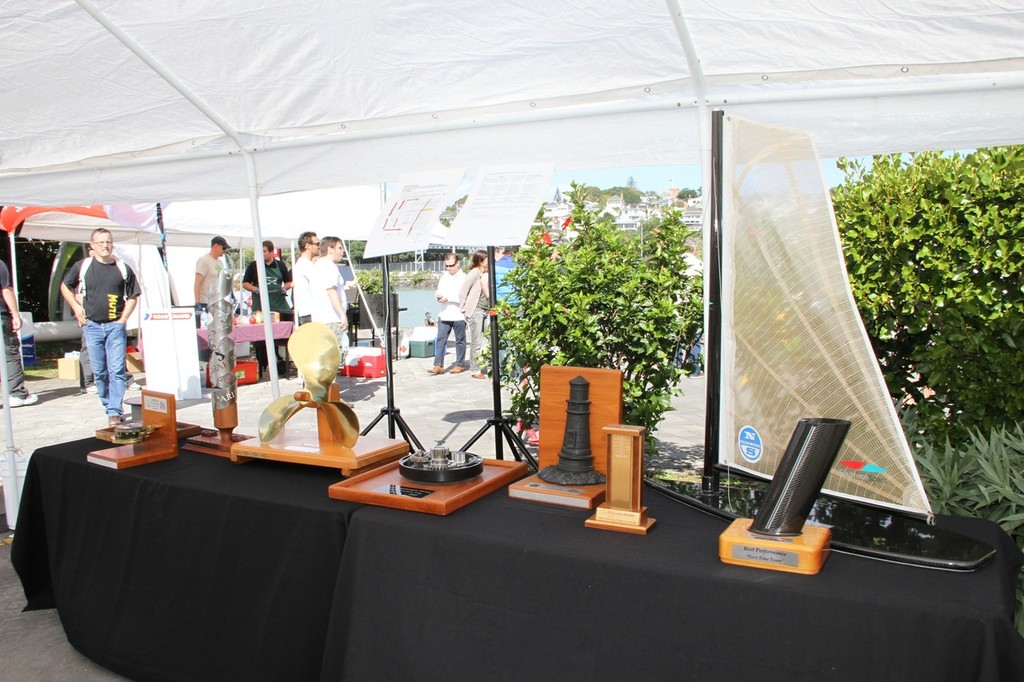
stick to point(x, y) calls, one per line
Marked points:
point(111, 101)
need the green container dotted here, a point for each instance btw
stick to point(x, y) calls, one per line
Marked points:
point(421, 349)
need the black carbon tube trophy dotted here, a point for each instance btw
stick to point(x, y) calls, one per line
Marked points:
point(776, 538)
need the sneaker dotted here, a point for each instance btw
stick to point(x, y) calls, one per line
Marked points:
point(478, 375)
point(91, 388)
point(134, 386)
point(114, 420)
point(30, 399)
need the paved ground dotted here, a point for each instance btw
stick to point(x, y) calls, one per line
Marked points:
point(447, 408)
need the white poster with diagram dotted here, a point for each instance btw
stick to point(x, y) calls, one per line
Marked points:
point(170, 350)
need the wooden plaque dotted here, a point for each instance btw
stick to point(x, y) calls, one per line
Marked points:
point(605, 408)
point(536, 489)
point(386, 487)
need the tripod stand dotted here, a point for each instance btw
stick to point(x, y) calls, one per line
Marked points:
point(502, 425)
point(389, 410)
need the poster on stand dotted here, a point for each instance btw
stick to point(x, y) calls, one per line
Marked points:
point(501, 205)
point(407, 222)
point(170, 335)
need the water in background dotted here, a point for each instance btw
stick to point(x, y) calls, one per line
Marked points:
point(416, 302)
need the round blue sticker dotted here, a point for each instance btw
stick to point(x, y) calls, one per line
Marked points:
point(750, 444)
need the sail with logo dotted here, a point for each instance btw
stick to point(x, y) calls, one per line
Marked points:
point(793, 344)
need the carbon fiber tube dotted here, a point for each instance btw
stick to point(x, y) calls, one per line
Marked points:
point(804, 467)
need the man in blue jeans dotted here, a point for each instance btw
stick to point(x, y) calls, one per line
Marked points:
point(102, 292)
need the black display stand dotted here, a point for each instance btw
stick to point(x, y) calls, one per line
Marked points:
point(502, 425)
point(389, 410)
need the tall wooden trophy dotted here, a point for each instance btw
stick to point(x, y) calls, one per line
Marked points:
point(336, 442)
point(623, 508)
point(222, 377)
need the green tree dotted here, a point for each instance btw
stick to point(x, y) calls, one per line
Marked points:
point(934, 246)
point(687, 193)
point(595, 302)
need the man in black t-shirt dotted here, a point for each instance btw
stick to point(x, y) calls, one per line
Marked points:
point(102, 292)
point(279, 281)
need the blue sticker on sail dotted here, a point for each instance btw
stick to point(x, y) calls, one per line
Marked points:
point(751, 447)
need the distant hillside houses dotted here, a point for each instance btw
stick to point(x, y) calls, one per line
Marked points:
point(629, 216)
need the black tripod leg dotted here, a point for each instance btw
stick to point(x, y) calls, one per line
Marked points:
point(476, 436)
point(407, 433)
point(519, 450)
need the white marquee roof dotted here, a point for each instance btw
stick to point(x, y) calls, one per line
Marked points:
point(120, 101)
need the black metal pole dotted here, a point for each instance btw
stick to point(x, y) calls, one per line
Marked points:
point(502, 426)
point(392, 413)
point(713, 282)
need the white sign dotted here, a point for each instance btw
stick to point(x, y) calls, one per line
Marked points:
point(407, 222)
point(172, 352)
point(501, 205)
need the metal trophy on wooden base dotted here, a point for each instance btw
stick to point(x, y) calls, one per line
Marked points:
point(336, 442)
point(222, 377)
point(572, 481)
point(154, 439)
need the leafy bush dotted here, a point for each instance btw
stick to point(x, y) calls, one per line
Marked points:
point(595, 301)
point(935, 251)
point(371, 281)
point(980, 478)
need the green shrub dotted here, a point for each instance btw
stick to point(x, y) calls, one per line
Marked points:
point(596, 301)
point(982, 478)
point(934, 246)
point(371, 281)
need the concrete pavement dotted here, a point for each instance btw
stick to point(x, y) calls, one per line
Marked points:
point(447, 408)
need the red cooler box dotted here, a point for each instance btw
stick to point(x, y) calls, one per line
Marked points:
point(367, 363)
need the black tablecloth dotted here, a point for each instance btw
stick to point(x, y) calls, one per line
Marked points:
point(192, 568)
point(199, 569)
point(513, 590)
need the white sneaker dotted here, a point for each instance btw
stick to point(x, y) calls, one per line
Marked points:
point(30, 399)
point(91, 388)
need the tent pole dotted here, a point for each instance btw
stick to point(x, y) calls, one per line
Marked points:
point(252, 183)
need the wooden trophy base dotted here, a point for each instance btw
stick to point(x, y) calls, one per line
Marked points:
point(386, 487)
point(621, 520)
point(536, 489)
point(183, 431)
point(804, 553)
point(158, 412)
point(304, 447)
point(209, 442)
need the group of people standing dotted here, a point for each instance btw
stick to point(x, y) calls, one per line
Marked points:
point(465, 300)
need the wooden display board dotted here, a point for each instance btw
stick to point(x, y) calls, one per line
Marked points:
point(605, 408)
point(158, 411)
point(301, 446)
point(386, 487)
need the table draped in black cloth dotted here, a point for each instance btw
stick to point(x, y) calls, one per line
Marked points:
point(510, 590)
point(197, 569)
point(189, 569)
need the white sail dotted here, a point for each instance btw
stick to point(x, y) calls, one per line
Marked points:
point(793, 344)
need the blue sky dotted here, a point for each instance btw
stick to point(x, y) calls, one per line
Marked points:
point(655, 178)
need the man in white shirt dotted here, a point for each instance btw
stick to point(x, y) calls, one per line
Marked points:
point(208, 269)
point(450, 318)
point(330, 304)
point(302, 277)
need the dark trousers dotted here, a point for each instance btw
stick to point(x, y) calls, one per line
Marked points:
point(15, 370)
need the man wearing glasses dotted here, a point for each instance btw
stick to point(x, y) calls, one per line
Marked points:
point(102, 293)
point(302, 277)
point(451, 317)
